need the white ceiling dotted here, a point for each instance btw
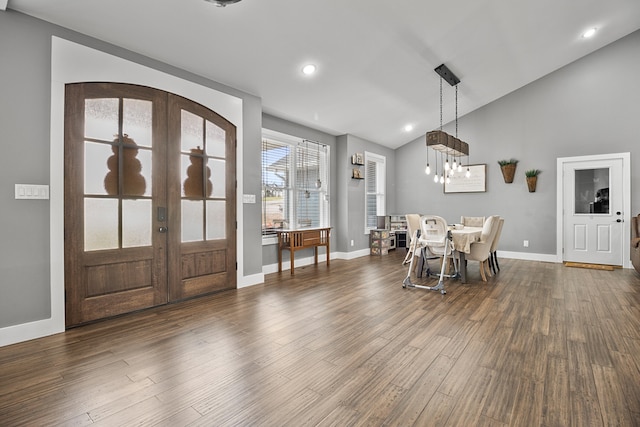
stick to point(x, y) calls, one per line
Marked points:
point(375, 58)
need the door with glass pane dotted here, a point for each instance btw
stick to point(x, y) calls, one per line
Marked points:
point(593, 211)
point(122, 216)
point(202, 245)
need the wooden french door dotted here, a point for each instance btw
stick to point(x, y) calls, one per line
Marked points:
point(149, 200)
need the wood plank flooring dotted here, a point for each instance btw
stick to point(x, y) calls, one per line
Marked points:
point(539, 344)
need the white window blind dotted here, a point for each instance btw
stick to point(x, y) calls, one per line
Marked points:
point(295, 183)
point(375, 188)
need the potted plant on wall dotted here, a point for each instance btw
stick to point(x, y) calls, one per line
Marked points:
point(532, 179)
point(508, 168)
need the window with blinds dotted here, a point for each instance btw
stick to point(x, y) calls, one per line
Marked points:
point(375, 187)
point(295, 183)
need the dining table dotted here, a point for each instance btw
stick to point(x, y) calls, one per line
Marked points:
point(463, 237)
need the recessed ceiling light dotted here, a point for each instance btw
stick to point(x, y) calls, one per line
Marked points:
point(408, 128)
point(309, 69)
point(589, 33)
point(222, 3)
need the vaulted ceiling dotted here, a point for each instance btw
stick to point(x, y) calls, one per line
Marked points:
point(374, 58)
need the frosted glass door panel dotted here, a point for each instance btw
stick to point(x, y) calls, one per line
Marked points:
point(192, 217)
point(136, 120)
point(96, 156)
point(216, 140)
point(101, 118)
point(216, 223)
point(136, 223)
point(217, 170)
point(100, 224)
point(192, 131)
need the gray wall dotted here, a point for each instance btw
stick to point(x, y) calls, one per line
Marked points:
point(353, 195)
point(588, 107)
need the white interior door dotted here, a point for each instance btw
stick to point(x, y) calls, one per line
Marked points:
point(593, 211)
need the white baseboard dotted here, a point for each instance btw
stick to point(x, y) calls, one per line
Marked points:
point(254, 279)
point(29, 331)
point(528, 256)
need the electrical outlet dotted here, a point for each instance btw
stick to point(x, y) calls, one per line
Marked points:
point(351, 242)
point(526, 244)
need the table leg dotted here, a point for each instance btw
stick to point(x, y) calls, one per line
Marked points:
point(292, 252)
point(328, 257)
point(463, 267)
point(279, 256)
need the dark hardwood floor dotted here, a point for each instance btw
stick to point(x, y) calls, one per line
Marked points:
point(539, 344)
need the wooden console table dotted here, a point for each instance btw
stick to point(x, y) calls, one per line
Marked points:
point(294, 240)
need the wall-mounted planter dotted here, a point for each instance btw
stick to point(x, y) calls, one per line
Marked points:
point(532, 179)
point(508, 168)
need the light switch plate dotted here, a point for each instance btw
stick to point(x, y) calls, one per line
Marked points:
point(32, 191)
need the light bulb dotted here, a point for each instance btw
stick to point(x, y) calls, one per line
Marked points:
point(459, 167)
point(448, 180)
point(451, 172)
point(468, 173)
point(446, 165)
point(441, 178)
point(454, 165)
point(435, 178)
point(427, 170)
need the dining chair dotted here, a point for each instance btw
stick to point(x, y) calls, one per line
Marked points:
point(481, 250)
point(472, 221)
point(493, 256)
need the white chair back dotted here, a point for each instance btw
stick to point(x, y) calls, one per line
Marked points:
point(472, 221)
point(434, 234)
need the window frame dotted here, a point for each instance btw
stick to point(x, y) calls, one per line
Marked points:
point(379, 162)
point(294, 188)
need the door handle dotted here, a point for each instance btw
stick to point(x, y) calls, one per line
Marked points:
point(162, 229)
point(618, 220)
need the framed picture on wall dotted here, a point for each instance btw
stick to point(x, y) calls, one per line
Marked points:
point(476, 183)
point(357, 159)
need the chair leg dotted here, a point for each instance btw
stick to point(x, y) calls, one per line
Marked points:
point(484, 278)
point(486, 265)
point(495, 260)
point(491, 266)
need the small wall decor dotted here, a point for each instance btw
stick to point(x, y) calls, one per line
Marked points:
point(357, 159)
point(508, 168)
point(532, 179)
point(356, 174)
point(474, 183)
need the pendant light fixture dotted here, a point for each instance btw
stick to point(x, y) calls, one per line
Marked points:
point(443, 143)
